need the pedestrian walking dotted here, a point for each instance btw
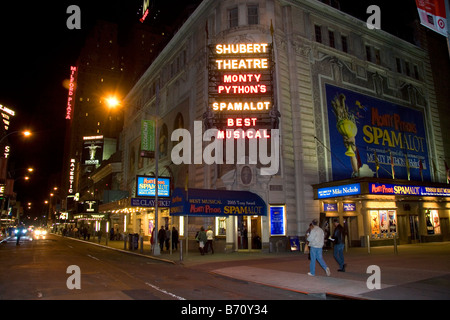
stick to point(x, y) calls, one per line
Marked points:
point(209, 240)
point(167, 238)
point(201, 239)
point(338, 239)
point(316, 242)
point(307, 242)
point(161, 238)
point(174, 238)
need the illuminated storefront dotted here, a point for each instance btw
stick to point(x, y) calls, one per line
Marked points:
point(382, 209)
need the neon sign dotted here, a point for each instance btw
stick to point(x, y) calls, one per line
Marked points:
point(242, 71)
point(71, 175)
point(241, 106)
point(145, 10)
point(242, 48)
point(73, 71)
point(394, 189)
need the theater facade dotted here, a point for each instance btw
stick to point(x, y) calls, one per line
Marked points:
point(270, 113)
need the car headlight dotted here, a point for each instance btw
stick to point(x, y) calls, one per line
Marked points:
point(44, 232)
point(37, 232)
point(24, 231)
point(16, 231)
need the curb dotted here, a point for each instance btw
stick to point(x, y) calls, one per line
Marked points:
point(119, 250)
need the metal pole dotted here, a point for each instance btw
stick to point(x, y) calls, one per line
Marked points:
point(395, 244)
point(156, 249)
point(368, 243)
point(181, 250)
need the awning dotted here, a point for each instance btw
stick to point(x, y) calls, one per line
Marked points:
point(212, 203)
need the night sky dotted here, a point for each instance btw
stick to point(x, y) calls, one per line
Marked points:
point(36, 51)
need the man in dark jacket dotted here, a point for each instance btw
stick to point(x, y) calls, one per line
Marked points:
point(338, 240)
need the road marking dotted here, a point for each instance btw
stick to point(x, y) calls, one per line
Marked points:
point(93, 257)
point(70, 247)
point(165, 292)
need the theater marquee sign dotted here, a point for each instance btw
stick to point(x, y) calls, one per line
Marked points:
point(241, 90)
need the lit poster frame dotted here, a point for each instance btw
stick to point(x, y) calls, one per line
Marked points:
point(277, 220)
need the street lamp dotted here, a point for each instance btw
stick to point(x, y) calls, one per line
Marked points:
point(24, 133)
point(112, 102)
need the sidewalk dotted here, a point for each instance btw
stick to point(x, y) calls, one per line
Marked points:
point(417, 271)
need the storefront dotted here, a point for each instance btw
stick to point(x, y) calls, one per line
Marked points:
point(237, 218)
point(381, 209)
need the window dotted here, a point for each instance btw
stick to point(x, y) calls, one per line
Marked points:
point(377, 56)
point(407, 69)
point(416, 72)
point(253, 16)
point(399, 65)
point(233, 17)
point(368, 53)
point(344, 44)
point(318, 33)
point(331, 39)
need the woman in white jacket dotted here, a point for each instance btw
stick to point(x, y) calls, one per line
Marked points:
point(316, 241)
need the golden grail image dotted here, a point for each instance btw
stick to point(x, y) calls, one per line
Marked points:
point(347, 129)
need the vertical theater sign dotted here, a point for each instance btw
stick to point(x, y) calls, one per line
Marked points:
point(240, 89)
point(241, 104)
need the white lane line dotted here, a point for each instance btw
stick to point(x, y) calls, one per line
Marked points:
point(93, 257)
point(165, 292)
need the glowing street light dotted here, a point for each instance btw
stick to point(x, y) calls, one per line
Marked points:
point(26, 134)
point(112, 102)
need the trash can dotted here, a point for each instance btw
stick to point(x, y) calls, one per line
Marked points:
point(135, 241)
point(130, 241)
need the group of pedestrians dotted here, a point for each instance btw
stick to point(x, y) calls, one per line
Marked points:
point(315, 238)
point(164, 237)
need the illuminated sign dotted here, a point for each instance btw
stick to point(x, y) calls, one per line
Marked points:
point(92, 150)
point(394, 189)
point(349, 207)
point(6, 115)
point(242, 48)
point(206, 202)
point(241, 106)
point(71, 175)
point(241, 94)
point(145, 10)
point(371, 137)
point(277, 221)
point(145, 186)
point(339, 191)
point(90, 206)
point(150, 202)
point(70, 99)
point(330, 207)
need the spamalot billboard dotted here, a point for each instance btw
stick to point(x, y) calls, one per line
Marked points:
point(371, 137)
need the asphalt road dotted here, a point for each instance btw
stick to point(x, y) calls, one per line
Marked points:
point(40, 270)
